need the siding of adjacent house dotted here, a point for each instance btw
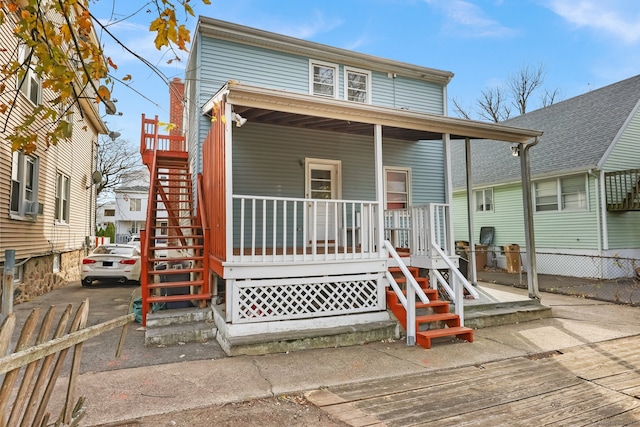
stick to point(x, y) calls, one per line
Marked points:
point(565, 229)
point(73, 157)
point(624, 227)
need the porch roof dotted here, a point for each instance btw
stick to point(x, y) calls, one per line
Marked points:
point(279, 107)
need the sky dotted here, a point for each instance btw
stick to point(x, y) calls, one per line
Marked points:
point(582, 44)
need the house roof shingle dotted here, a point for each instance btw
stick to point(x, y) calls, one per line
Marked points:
point(577, 133)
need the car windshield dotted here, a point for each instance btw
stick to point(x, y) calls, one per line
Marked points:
point(114, 250)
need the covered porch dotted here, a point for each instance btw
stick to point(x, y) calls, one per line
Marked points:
point(291, 258)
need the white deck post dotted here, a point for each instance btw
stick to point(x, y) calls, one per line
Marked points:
point(379, 187)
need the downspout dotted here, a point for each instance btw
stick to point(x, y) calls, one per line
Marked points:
point(470, 207)
point(532, 274)
point(603, 208)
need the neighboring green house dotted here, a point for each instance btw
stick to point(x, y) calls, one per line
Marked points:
point(585, 182)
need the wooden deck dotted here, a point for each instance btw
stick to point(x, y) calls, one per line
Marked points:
point(594, 385)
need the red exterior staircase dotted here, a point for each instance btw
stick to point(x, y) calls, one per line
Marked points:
point(171, 219)
point(437, 322)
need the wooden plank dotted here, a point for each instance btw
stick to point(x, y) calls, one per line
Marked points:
point(23, 341)
point(21, 396)
point(22, 358)
point(44, 369)
point(83, 312)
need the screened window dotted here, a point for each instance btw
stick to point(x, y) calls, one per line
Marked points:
point(28, 82)
point(135, 205)
point(484, 200)
point(397, 185)
point(568, 194)
point(62, 198)
point(358, 85)
point(324, 79)
point(24, 184)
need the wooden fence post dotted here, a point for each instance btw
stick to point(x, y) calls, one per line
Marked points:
point(7, 283)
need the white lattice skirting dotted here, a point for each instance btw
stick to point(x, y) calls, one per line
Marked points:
point(307, 297)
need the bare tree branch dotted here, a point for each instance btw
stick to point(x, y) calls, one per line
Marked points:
point(523, 83)
point(550, 97)
point(119, 163)
point(493, 106)
point(460, 110)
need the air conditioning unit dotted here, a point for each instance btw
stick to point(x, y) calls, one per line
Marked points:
point(30, 208)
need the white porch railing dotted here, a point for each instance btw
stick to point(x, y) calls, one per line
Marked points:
point(416, 227)
point(279, 229)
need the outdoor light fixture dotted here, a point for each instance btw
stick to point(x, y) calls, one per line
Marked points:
point(114, 135)
point(239, 120)
point(515, 151)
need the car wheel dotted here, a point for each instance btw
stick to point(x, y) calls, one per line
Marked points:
point(86, 282)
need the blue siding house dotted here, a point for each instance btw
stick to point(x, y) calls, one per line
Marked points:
point(317, 171)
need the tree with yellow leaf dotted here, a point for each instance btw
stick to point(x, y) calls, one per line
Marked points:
point(55, 44)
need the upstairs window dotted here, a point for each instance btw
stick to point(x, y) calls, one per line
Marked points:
point(484, 200)
point(62, 198)
point(396, 186)
point(24, 184)
point(109, 212)
point(135, 205)
point(28, 82)
point(358, 85)
point(566, 194)
point(323, 79)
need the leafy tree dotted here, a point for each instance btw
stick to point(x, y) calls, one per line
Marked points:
point(64, 54)
point(496, 104)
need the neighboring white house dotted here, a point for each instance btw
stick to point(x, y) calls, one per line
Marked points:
point(130, 210)
point(105, 215)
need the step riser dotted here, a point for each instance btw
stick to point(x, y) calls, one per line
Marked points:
point(174, 337)
point(178, 317)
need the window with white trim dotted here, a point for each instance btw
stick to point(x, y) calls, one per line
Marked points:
point(135, 205)
point(28, 82)
point(561, 194)
point(24, 184)
point(397, 185)
point(357, 85)
point(323, 79)
point(63, 192)
point(484, 200)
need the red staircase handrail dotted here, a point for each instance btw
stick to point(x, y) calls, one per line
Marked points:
point(204, 223)
point(144, 241)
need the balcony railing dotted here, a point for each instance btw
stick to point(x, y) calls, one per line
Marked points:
point(622, 190)
point(415, 228)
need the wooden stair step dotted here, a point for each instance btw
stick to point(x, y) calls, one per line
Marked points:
point(438, 317)
point(177, 298)
point(175, 271)
point(413, 270)
point(424, 338)
point(182, 284)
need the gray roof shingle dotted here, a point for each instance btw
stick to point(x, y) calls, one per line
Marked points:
point(577, 133)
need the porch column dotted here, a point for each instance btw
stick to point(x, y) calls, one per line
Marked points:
point(532, 274)
point(228, 200)
point(379, 186)
point(470, 208)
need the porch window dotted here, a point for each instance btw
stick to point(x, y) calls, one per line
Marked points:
point(358, 83)
point(62, 198)
point(397, 188)
point(29, 83)
point(135, 205)
point(484, 200)
point(24, 184)
point(323, 79)
point(558, 194)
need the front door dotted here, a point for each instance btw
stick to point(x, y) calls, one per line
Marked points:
point(322, 184)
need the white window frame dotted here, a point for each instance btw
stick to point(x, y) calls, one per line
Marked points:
point(482, 207)
point(18, 273)
point(135, 204)
point(560, 203)
point(63, 198)
point(407, 172)
point(22, 166)
point(351, 70)
point(30, 85)
point(334, 67)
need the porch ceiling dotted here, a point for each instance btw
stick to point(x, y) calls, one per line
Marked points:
point(284, 108)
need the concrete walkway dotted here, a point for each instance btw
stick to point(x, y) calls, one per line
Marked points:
point(125, 394)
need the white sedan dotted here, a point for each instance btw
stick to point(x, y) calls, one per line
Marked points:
point(112, 262)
